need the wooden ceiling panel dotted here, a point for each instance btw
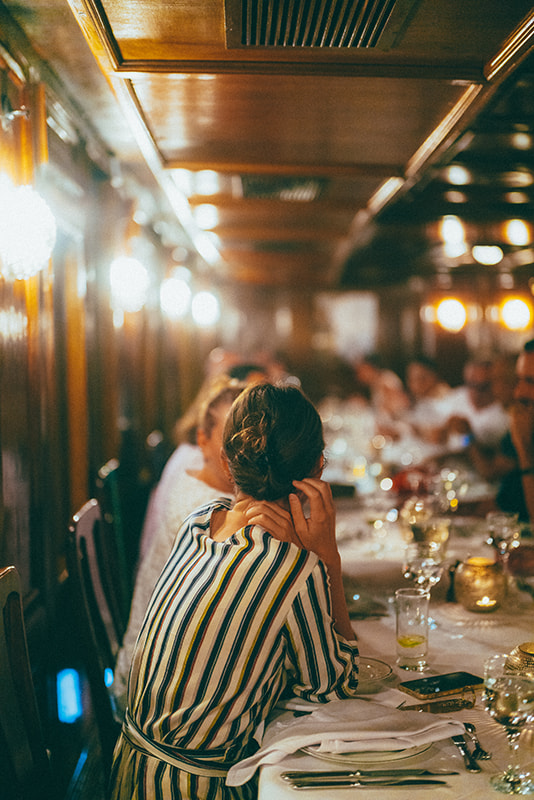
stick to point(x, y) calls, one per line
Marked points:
point(276, 120)
point(472, 28)
point(151, 29)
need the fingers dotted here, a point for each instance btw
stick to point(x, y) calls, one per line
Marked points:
point(319, 494)
point(277, 520)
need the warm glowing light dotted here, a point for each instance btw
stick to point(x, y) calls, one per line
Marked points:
point(452, 232)
point(129, 281)
point(517, 232)
point(205, 309)
point(27, 231)
point(455, 249)
point(207, 182)
point(451, 314)
point(452, 229)
point(487, 254)
point(522, 141)
point(175, 297)
point(515, 314)
point(454, 196)
point(458, 175)
point(206, 216)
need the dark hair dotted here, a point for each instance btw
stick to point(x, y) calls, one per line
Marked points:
point(425, 361)
point(528, 347)
point(242, 372)
point(273, 436)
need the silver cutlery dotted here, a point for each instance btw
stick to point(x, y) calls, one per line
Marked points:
point(470, 763)
point(321, 775)
point(358, 783)
point(479, 754)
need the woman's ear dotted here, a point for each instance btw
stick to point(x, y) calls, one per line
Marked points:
point(318, 469)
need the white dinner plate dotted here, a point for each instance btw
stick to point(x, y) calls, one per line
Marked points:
point(370, 757)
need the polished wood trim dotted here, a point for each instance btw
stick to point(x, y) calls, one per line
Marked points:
point(317, 64)
point(329, 170)
point(515, 49)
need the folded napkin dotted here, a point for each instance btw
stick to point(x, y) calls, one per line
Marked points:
point(344, 726)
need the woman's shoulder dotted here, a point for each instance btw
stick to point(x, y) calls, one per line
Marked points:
point(265, 541)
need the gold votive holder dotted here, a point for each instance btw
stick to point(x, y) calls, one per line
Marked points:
point(522, 658)
point(480, 584)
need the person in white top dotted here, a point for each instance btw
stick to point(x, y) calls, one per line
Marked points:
point(192, 477)
point(471, 412)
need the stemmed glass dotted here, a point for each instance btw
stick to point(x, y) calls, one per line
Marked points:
point(509, 699)
point(423, 565)
point(503, 528)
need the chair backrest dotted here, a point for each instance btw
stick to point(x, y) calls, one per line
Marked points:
point(88, 573)
point(117, 550)
point(25, 772)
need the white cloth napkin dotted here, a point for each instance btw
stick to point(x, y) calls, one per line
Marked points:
point(344, 726)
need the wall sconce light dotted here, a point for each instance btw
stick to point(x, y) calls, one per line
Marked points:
point(175, 297)
point(515, 314)
point(205, 309)
point(27, 231)
point(451, 314)
point(129, 282)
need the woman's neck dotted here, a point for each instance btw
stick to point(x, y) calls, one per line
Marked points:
point(225, 522)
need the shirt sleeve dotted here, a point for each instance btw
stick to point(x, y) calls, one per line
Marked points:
point(322, 664)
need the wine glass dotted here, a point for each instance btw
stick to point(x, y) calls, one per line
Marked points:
point(423, 565)
point(509, 699)
point(503, 528)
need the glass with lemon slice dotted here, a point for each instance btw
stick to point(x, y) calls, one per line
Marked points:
point(412, 628)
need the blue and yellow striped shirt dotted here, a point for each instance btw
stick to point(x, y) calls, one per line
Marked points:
point(231, 628)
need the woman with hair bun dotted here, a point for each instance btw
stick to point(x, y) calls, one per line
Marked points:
point(248, 611)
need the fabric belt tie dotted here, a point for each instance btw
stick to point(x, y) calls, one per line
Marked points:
point(140, 742)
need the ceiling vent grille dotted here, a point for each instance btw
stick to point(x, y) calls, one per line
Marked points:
point(307, 23)
point(297, 190)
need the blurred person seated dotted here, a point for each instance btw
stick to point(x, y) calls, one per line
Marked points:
point(503, 378)
point(388, 397)
point(248, 611)
point(186, 483)
point(516, 492)
point(426, 390)
point(471, 412)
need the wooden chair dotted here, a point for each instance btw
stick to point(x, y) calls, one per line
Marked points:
point(88, 573)
point(25, 772)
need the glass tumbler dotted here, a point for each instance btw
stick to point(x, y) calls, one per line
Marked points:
point(411, 607)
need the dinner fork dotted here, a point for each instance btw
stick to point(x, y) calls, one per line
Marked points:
point(479, 754)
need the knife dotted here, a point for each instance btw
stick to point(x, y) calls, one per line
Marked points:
point(319, 775)
point(470, 763)
point(356, 783)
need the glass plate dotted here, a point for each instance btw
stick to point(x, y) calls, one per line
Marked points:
point(372, 671)
point(370, 757)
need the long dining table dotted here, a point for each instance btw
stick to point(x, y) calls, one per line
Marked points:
point(460, 640)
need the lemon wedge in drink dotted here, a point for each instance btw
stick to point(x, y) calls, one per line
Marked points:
point(411, 641)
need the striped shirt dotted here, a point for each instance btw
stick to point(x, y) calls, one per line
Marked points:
point(231, 628)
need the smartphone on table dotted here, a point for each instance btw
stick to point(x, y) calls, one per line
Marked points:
point(439, 685)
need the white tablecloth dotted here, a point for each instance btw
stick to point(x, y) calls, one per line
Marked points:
point(462, 641)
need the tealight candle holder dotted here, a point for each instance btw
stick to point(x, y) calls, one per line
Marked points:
point(480, 584)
